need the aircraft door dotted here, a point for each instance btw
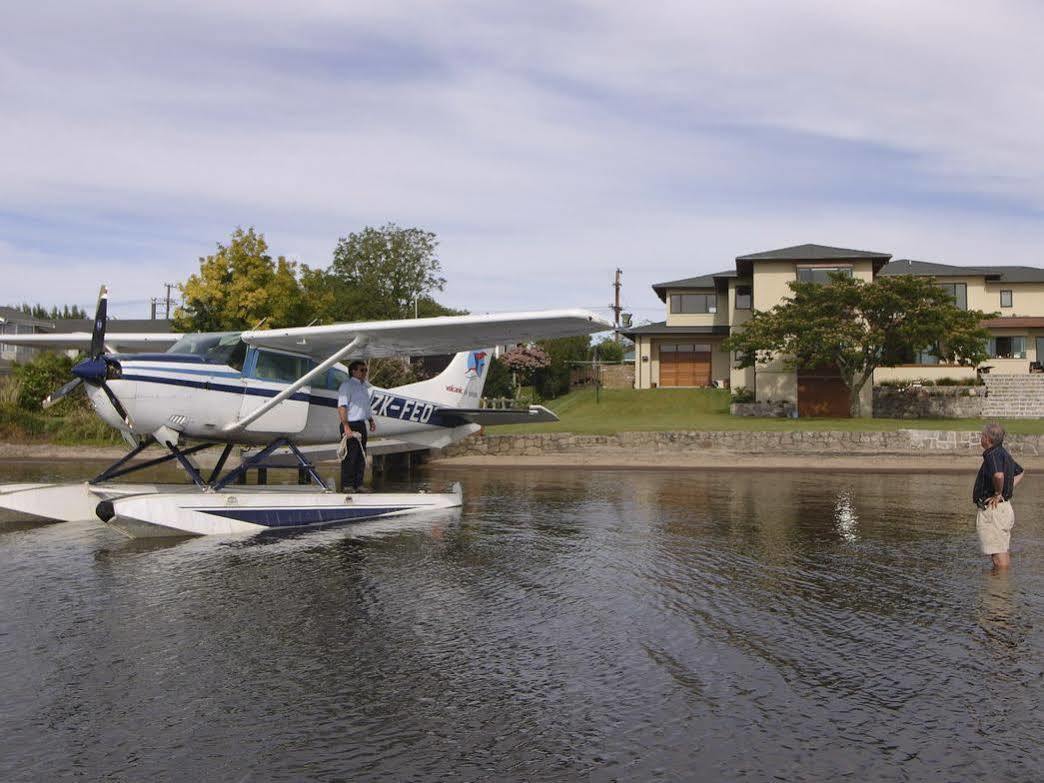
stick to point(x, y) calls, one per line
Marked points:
point(267, 373)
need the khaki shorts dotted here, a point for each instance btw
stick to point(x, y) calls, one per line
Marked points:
point(994, 528)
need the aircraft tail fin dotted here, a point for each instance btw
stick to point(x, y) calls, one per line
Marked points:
point(459, 385)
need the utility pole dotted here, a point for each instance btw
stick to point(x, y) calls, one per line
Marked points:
point(153, 303)
point(169, 286)
point(616, 308)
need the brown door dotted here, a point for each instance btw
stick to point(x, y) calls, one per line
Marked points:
point(685, 364)
point(821, 392)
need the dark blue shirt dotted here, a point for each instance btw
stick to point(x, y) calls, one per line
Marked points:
point(995, 459)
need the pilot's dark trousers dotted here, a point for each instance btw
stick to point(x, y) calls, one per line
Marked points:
point(354, 463)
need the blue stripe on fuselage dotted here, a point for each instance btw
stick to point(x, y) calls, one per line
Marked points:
point(383, 404)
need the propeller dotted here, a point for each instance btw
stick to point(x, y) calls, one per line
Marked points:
point(97, 367)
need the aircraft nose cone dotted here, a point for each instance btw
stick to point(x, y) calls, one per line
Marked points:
point(90, 370)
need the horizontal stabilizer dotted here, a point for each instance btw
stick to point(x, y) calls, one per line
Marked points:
point(488, 417)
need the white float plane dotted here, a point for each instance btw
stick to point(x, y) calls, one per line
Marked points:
point(276, 391)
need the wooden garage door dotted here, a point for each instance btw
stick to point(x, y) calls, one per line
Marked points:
point(685, 364)
point(821, 392)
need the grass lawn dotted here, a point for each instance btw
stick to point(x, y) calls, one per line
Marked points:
point(629, 410)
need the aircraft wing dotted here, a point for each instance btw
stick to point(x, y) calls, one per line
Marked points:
point(488, 417)
point(429, 336)
point(115, 341)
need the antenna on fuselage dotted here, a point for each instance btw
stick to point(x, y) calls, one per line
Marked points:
point(259, 324)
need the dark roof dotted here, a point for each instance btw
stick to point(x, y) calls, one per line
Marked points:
point(14, 314)
point(1003, 274)
point(115, 325)
point(715, 281)
point(745, 264)
point(907, 266)
point(811, 253)
point(663, 328)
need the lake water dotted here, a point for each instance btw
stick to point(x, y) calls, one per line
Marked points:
point(565, 625)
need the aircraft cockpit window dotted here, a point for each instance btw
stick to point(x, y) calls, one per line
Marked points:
point(335, 378)
point(215, 348)
point(281, 367)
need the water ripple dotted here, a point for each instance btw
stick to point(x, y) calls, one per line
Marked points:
point(563, 626)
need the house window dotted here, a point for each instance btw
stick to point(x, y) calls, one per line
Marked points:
point(743, 297)
point(694, 303)
point(821, 274)
point(1005, 298)
point(925, 356)
point(1007, 347)
point(959, 292)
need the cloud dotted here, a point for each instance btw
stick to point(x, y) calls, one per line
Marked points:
point(546, 146)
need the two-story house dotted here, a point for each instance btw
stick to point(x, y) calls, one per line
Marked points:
point(685, 349)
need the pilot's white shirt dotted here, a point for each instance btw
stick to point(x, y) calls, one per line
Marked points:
point(354, 395)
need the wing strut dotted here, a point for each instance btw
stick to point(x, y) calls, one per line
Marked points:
point(302, 381)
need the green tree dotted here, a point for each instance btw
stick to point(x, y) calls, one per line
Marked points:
point(564, 354)
point(379, 273)
point(498, 380)
point(608, 351)
point(239, 286)
point(858, 326)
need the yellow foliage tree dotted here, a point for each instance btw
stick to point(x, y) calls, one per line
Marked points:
point(239, 286)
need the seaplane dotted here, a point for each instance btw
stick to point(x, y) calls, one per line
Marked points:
point(273, 394)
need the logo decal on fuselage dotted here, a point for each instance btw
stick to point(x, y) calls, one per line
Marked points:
point(476, 363)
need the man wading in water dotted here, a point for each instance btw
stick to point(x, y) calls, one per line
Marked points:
point(994, 486)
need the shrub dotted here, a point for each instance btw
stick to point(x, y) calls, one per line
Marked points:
point(742, 394)
point(43, 375)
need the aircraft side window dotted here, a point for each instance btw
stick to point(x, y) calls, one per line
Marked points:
point(279, 367)
point(335, 378)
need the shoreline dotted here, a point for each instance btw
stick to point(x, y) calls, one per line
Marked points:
point(884, 463)
point(609, 459)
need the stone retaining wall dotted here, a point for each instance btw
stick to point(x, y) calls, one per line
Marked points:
point(764, 410)
point(1014, 396)
point(928, 402)
point(900, 442)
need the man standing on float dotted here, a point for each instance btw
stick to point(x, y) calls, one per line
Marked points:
point(353, 407)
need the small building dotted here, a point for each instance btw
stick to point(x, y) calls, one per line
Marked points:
point(13, 321)
point(685, 349)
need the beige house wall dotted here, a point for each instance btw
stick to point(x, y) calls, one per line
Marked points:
point(642, 362)
point(1027, 299)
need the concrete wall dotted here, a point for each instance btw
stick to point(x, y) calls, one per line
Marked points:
point(617, 376)
point(916, 372)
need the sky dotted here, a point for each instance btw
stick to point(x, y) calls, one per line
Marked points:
point(545, 143)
